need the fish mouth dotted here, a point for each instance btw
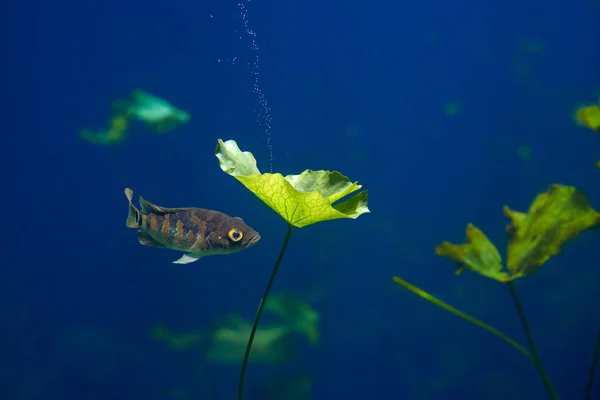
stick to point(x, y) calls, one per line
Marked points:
point(254, 239)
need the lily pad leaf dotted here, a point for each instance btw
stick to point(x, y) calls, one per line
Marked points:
point(235, 162)
point(300, 200)
point(478, 254)
point(554, 218)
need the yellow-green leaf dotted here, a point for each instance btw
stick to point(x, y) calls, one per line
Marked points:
point(235, 162)
point(300, 200)
point(478, 254)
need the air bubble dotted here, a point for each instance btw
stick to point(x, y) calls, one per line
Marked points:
point(263, 113)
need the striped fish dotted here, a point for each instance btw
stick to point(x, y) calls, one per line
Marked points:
point(195, 231)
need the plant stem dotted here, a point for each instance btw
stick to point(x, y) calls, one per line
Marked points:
point(460, 314)
point(552, 394)
point(259, 312)
point(590, 383)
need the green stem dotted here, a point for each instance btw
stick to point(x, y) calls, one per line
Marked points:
point(552, 394)
point(590, 383)
point(259, 312)
point(460, 314)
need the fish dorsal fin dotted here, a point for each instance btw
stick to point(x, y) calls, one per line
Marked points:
point(148, 240)
point(148, 207)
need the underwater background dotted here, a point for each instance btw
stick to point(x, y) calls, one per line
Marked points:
point(444, 111)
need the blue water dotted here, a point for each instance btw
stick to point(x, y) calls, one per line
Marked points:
point(352, 86)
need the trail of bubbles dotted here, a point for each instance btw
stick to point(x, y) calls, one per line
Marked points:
point(263, 114)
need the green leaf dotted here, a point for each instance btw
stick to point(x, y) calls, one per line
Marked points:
point(300, 200)
point(235, 162)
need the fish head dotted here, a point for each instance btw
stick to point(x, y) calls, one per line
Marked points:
point(233, 235)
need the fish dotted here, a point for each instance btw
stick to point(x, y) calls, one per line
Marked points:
point(196, 231)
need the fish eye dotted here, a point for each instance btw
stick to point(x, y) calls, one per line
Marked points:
point(235, 235)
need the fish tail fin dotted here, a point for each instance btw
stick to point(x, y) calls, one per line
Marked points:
point(133, 217)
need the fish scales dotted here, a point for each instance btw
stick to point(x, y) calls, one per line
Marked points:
point(184, 230)
point(181, 230)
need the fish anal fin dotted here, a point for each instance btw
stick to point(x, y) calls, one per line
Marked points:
point(151, 208)
point(186, 259)
point(147, 240)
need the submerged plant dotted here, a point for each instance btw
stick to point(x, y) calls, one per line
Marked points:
point(301, 200)
point(159, 115)
point(588, 116)
point(554, 218)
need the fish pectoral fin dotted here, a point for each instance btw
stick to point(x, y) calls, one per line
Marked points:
point(148, 208)
point(148, 240)
point(186, 259)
